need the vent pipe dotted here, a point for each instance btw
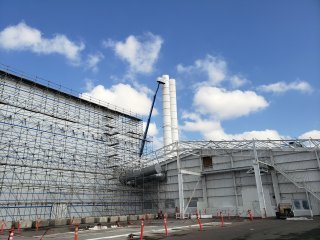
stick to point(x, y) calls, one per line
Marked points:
point(173, 109)
point(167, 135)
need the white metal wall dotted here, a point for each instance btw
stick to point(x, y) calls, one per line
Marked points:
point(229, 188)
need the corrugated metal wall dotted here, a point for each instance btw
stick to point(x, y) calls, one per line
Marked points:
point(230, 188)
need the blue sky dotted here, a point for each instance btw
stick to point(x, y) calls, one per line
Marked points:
point(244, 69)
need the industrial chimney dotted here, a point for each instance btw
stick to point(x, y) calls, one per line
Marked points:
point(170, 116)
point(173, 108)
point(166, 105)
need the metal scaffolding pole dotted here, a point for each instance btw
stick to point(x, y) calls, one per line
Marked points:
point(61, 155)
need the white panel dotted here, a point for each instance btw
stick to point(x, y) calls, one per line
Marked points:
point(218, 183)
point(220, 202)
point(218, 192)
point(250, 201)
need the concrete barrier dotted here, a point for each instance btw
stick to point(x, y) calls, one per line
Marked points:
point(42, 223)
point(132, 217)
point(101, 219)
point(150, 216)
point(74, 221)
point(59, 222)
point(23, 224)
point(123, 218)
point(87, 220)
point(7, 224)
point(113, 218)
point(142, 216)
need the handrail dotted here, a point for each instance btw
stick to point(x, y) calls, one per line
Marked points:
point(300, 186)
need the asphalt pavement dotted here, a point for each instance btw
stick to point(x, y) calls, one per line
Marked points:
point(233, 229)
point(268, 229)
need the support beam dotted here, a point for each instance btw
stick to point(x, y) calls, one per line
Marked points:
point(275, 185)
point(235, 191)
point(234, 184)
point(257, 175)
point(204, 191)
point(180, 183)
point(317, 157)
point(190, 172)
point(194, 190)
point(275, 182)
point(308, 199)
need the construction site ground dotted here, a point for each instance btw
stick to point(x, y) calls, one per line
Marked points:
point(233, 229)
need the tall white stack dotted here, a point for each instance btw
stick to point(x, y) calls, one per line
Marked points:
point(173, 109)
point(167, 135)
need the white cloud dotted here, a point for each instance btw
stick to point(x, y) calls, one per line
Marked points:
point(89, 84)
point(93, 61)
point(198, 124)
point(213, 104)
point(157, 142)
point(261, 135)
point(24, 37)
point(212, 130)
point(123, 96)
point(237, 81)
point(141, 52)
point(314, 134)
point(153, 130)
point(223, 104)
point(281, 87)
point(213, 67)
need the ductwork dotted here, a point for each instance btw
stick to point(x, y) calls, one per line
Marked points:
point(151, 172)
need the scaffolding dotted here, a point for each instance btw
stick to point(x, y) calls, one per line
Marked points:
point(61, 155)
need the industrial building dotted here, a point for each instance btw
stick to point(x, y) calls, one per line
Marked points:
point(63, 155)
point(233, 177)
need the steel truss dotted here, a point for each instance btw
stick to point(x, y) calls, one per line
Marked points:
point(228, 147)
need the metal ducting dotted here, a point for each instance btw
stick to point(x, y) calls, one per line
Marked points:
point(151, 172)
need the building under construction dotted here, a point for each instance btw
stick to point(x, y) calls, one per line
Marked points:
point(61, 155)
point(64, 156)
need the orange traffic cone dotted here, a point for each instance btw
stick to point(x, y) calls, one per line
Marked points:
point(11, 234)
point(76, 229)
